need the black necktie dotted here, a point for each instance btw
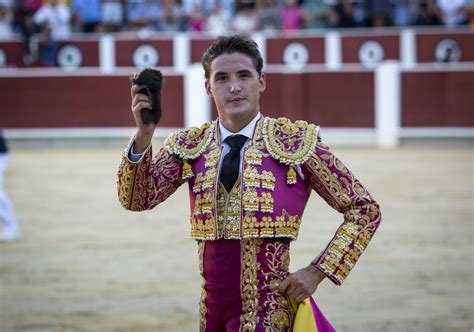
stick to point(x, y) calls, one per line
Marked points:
point(231, 163)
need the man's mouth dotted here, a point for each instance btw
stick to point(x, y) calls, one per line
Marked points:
point(236, 100)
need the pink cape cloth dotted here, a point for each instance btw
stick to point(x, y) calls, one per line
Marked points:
point(309, 318)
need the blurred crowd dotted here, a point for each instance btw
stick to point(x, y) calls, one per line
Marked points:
point(50, 20)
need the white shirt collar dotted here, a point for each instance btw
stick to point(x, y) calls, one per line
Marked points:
point(247, 131)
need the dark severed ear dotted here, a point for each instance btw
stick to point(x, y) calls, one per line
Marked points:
point(152, 80)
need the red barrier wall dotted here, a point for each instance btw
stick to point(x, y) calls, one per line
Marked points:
point(437, 99)
point(426, 45)
point(81, 101)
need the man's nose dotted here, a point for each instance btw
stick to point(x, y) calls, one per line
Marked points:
point(234, 86)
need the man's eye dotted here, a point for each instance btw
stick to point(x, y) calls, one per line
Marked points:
point(220, 78)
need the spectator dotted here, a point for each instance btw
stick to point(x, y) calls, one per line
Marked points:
point(246, 19)
point(427, 13)
point(454, 11)
point(32, 6)
point(317, 14)
point(171, 18)
point(88, 13)
point(47, 48)
point(112, 15)
point(403, 13)
point(144, 15)
point(269, 15)
point(291, 16)
point(218, 23)
point(6, 22)
point(343, 12)
point(196, 19)
point(57, 17)
point(360, 13)
point(380, 12)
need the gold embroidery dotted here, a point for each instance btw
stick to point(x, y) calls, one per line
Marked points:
point(125, 183)
point(212, 158)
point(197, 183)
point(249, 284)
point(228, 213)
point(250, 200)
point(280, 314)
point(266, 202)
point(285, 225)
point(253, 156)
point(209, 179)
point(207, 201)
point(191, 143)
point(198, 204)
point(187, 170)
point(203, 229)
point(291, 176)
point(268, 180)
point(291, 144)
point(202, 301)
point(251, 177)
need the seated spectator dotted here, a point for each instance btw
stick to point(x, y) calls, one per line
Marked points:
point(218, 22)
point(269, 15)
point(317, 14)
point(171, 18)
point(57, 17)
point(343, 12)
point(454, 11)
point(88, 13)
point(144, 15)
point(426, 12)
point(291, 16)
point(112, 15)
point(6, 22)
point(403, 13)
point(246, 19)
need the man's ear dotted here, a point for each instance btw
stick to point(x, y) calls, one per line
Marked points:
point(207, 86)
point(263, 82)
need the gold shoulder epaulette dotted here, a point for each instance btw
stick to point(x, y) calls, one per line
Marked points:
point(290, 143)
point(189, 144)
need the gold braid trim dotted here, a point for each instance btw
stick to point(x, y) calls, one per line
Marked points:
point(190, 144)
point(249, 284)
point(290, 143)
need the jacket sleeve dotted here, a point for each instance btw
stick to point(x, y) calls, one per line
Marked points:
point(335, 183)
point(149, 181)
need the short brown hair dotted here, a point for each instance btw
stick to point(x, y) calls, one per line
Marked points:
point(229, 45)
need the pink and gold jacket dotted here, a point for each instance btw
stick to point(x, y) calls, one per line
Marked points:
point(269, 198)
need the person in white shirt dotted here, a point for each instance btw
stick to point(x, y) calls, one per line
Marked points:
point(454, 11)
point(57, 17)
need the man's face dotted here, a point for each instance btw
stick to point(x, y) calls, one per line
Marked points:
point(235, 86)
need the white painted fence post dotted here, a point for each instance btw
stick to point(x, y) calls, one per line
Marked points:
point(107, 53)
point(387, 104)
point(197, 104)
point(333, 50)
point(181, 52)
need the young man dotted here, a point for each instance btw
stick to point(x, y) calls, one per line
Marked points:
point(249, 178)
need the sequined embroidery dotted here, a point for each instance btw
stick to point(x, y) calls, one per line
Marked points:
point(249, 284)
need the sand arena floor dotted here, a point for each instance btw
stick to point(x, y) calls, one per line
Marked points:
point(85, 264)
